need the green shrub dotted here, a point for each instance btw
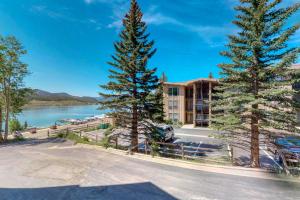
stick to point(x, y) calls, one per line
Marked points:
point(169, 122)
point(155, 149)
point(15, 125)
point(105, 142)
point(85, 139)
point(61, 135)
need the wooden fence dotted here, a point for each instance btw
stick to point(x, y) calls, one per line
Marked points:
point(174, 150)
point(80, 130)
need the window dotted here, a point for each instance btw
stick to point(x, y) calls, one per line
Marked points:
point(170, 104)
point(173, 104)
point(173, 91)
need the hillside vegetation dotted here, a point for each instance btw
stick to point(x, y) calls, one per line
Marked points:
point(44, 98)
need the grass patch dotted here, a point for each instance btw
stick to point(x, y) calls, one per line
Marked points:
point(77, 139)
point(105, 142)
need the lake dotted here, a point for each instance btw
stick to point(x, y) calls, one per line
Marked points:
point(47, 116)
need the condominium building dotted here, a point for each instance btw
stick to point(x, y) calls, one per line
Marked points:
point(189, 102)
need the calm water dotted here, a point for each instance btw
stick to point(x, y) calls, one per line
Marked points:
point(47, 116)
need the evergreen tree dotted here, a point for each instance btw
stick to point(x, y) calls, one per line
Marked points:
point(254, 95)
point(131, 81)
point(156, 108)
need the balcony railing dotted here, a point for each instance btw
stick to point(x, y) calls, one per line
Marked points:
point(202, 106)
point(202, 118)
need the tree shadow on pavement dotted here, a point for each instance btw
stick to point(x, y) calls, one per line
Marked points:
point(136, 191)
point(33, 142)
point(265, 162)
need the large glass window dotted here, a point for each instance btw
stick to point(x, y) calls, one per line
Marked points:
point(173, 91)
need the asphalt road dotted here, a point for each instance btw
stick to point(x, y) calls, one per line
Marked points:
point(53, 169)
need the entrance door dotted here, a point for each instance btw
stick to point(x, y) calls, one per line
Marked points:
point(189, 118)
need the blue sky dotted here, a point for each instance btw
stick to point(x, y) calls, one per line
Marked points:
point(70, 41)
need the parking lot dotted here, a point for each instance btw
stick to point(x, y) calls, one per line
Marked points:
point(199, 143)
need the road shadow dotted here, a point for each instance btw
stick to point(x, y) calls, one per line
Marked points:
point(136, 191)
point(199, 149)
point(265, 162)
point(33, 142)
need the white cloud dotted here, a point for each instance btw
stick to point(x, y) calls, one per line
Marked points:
point(119, 9)
point(65, 15)
point(212, 35)
point(159, 19)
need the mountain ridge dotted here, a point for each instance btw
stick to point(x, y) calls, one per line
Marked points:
point(40, 97)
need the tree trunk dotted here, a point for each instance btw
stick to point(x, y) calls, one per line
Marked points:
point(6, 122)
point(7, 111)
point(254, 140)
point(1, 120)
point(134, 130)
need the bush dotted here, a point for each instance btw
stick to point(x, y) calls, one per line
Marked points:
point(61, 135)
point(169, 122)
point(85, 139)
point(105, 142)
point(15, 125)
point(174, 123)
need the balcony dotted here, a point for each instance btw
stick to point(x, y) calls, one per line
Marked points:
point(202, 118)
point(202, 106)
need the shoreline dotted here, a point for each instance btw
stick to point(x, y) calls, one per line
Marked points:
point(56, 104)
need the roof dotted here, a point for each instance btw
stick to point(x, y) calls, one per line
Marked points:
point(192, 81)
point(295, 66)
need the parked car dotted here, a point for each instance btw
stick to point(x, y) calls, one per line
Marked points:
point(290, 147)
point(165, 133)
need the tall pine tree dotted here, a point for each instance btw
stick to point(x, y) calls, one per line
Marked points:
point(255, 93)
point(156, 108)
point(131, 81)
